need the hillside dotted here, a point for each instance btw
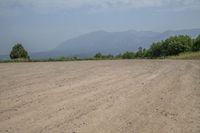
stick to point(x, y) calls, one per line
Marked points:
point(110, 42)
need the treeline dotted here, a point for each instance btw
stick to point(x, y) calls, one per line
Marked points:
point(173, 45)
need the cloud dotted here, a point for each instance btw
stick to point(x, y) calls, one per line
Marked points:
point(53, 5)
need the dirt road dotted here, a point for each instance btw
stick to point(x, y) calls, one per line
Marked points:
point(129, 96)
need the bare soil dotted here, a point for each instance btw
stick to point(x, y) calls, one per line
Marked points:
point(122, 96)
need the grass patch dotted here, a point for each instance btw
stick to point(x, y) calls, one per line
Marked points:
point(187, 56)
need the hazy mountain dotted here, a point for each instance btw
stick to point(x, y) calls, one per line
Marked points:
point(105, 42)
point(112, 42)
point(89, 44)
point(191, 32)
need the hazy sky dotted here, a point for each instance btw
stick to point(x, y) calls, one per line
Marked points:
point(42, 24)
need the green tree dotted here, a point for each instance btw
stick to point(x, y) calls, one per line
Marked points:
point(18, 52)
point(98, 56)
point(171, 46)
point(155, 50)
point(176, 44)
point(139, 53)
point(128, 55)
point(196, 45)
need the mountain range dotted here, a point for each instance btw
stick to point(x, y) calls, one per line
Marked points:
point(87, 45)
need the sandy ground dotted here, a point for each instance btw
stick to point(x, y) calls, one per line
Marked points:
point(129, 96)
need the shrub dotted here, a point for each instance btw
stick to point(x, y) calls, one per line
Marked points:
point(196, 45)
point(18, 52)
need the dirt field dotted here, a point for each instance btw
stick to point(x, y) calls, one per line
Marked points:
point(129, 96)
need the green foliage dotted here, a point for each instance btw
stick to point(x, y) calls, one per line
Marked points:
point(18, 52)
point(176, 44)
point(139, 53)
point(196, 45)
point(171, 46)
point(155, 50)
point(128, 55)
point(176, 47)
point(63, 59)
point(98, 56)
point(101, 56)
point(142, 53)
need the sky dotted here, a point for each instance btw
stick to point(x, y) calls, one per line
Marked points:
point(41, 25)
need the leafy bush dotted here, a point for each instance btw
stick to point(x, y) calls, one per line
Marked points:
point(171, 46)
point(196, 45)
point(18, 52)
point(155, 50)
point(101, 56)
point(98, 56)
point(128, 55)
point(176, 44)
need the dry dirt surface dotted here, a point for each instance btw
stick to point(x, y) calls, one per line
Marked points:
point(121, 96)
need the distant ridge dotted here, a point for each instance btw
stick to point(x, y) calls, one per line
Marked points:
point(87, 45)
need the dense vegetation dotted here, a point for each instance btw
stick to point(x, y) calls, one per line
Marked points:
point(18, 52)
point(196, 44)
point(172, 46)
